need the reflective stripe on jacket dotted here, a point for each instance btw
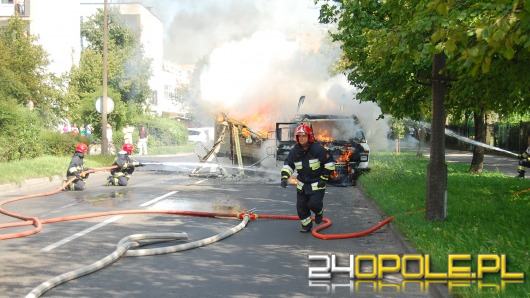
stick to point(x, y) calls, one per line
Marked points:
point(312, 165)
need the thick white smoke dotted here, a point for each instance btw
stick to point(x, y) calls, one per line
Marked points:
point(262, 55)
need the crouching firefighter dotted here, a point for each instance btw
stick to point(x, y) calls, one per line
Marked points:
point(76, 168)
point(314, 164)
point(125, 167)
point(524, 162)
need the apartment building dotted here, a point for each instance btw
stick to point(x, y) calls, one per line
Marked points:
point(57, 24)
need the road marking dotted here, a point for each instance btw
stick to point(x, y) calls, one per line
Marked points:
point(201, 181)
point(158, 199)
point(82, 233)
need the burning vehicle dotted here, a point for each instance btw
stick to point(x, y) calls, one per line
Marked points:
point(240, 143)
point(342, 136)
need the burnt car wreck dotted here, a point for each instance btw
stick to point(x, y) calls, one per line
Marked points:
point(343, 136)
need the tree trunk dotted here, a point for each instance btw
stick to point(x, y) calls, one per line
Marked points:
point(421, 137)
point(477, 163)
point(436, 201)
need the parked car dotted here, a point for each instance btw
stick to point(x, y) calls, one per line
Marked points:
point(200, 134)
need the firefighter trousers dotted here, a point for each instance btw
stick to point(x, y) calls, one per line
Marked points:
point(305, 203)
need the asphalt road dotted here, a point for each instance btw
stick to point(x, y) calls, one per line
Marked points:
point(269, 258)
point(492, 162)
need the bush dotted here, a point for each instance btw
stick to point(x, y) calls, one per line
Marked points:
point(161, 131)
point(20, 132)
point(59, 144)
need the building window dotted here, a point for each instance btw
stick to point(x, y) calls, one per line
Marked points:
point(154, 98)
point(169, 92)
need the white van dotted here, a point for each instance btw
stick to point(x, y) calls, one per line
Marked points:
point(200, 134)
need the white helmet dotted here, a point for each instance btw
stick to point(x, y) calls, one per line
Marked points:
point(528, 150)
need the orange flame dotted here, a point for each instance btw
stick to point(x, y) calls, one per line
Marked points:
point(259, 123)
point(323, 136)
point(345, 155)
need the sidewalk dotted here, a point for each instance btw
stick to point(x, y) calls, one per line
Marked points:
point(31, 183)
point(492, 162)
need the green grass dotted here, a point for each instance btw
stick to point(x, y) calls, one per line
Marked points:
point(487, 214)
point(46, 166)
point(52, 166)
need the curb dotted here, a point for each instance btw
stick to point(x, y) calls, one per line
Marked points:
point(30, 183)
point(436, 290)
point(33, 183)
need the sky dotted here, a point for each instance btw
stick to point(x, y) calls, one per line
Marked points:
point(260, 57)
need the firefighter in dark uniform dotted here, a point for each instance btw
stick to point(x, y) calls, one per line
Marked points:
point(313, 164)
point(125, 167)
point(524, 162)
point(76, 168)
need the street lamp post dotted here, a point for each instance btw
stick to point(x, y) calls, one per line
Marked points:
point(104, 141)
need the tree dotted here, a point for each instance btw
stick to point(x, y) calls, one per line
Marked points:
point(129, 70)
point(23, 72)
point(389, 44)
point(488, 44)
point(398, 130)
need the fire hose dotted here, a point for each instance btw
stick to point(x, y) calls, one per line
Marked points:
point(126, 244)
point(126, 248)
point(35, 221)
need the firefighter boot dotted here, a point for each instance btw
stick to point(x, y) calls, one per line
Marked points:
point(521, 174)
point(318, 217)
point(66, 187)
point(307, 224)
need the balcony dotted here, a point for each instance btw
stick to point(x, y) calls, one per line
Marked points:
point(9, 9)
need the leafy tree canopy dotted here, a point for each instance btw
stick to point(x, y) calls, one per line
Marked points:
point(128, 70)
point(23, 71)
point(388, 46)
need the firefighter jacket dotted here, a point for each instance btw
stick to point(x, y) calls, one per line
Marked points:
point(312, 165)
point(525, 155)
point(76, 166)
point(125, 165)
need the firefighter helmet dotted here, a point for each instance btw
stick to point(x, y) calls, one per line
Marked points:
point(528, 150)
point(81, 148)
point(304, 129)
point(128, 148)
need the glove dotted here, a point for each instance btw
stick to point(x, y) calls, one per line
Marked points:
point(321, 183)
point(136, 163)
point(85, 176)
point(284, 182)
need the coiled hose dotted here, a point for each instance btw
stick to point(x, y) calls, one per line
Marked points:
point(126, 248)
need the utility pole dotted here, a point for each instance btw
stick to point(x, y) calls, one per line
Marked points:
point(436, 202)
point(104, 141)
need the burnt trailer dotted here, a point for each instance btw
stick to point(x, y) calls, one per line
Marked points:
point(342, 135)
point(240, 143)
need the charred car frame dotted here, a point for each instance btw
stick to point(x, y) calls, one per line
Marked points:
point(342, 135)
